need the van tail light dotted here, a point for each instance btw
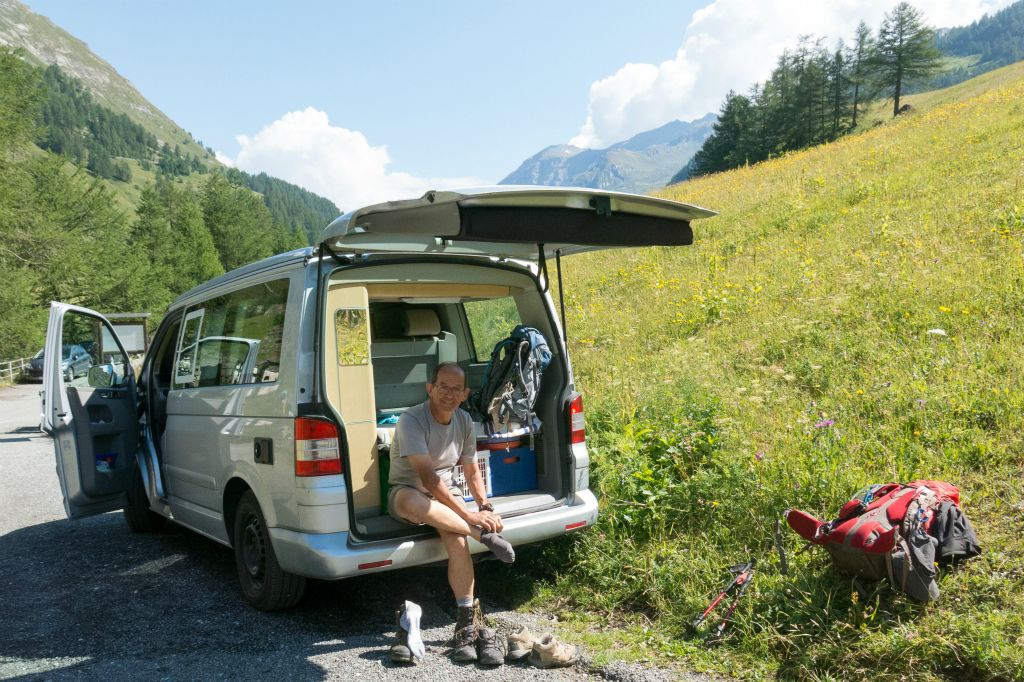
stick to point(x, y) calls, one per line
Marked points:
point(316, 447)
point(577, 429)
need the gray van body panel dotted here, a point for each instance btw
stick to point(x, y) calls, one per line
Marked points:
point(210, 433)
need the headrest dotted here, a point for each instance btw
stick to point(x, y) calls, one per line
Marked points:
point(421, 322)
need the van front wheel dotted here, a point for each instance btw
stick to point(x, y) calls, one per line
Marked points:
point(264, 584)
point(138, 515)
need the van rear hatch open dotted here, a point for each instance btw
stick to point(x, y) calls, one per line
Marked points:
point(511, 222)
point(523, 226)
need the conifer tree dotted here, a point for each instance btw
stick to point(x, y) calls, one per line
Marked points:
point(724, 148)
point(905, 50)
point(239, 222)
point(860, 51)
point(179, 249)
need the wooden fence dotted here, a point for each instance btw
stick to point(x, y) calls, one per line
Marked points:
point(10, 370)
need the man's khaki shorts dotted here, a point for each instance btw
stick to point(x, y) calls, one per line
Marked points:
point(455, 490)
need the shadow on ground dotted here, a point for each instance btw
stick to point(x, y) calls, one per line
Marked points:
point(92, 590)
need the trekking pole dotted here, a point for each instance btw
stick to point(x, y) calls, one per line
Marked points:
point(746, 578)
point(743, 573)
point(700, 619)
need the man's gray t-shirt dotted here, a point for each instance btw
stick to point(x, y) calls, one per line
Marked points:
point(418, 433)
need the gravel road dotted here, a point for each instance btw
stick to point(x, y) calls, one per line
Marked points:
point(90, 600)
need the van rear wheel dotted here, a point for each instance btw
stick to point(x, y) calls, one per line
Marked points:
point(264, 584)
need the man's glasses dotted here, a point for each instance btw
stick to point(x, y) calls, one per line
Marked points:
point(449, 390)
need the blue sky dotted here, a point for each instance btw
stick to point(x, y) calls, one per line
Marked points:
point(373, 100)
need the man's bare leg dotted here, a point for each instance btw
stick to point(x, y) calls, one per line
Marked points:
point(415, 506)
point(418, 508)
point(460, 565)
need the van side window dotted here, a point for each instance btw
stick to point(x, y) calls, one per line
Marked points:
point(490, 321)
point(233, 339)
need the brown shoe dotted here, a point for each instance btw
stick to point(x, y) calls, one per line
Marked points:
point(408, 646)
point(548, 652)
point(464, 641)
point(520, 644)
point(488, 647)
point(400, 652)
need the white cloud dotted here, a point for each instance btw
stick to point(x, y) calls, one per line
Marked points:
point(732, 44)
point(225, 159)
point(303, 147)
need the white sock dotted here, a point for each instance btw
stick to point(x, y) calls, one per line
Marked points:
point(410, 620)
point(468, 601)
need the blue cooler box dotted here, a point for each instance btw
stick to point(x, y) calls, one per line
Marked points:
point(513, 471)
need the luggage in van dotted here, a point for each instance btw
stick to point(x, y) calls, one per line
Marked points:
point(512, 381)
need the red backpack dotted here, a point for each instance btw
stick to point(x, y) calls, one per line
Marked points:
point(886, 530)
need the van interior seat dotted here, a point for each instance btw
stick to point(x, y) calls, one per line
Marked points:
point(402, 366)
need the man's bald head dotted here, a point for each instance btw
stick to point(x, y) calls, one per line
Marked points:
point(451, 369)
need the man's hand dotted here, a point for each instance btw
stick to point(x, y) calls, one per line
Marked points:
point(488, 521)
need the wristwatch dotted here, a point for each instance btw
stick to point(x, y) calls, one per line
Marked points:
point(486, 506)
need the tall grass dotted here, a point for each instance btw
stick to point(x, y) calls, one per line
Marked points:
point(853, 316)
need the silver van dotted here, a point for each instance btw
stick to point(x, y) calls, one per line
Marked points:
point(263, 409)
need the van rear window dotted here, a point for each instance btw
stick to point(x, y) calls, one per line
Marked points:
point(490, 321)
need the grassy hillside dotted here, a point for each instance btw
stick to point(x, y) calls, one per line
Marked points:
point(853, 316)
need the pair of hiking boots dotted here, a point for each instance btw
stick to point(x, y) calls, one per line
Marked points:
point(474, 641)
point(543, 652)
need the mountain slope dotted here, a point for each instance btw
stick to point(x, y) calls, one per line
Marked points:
point(643, 162)
point(853, 316)
point(45, 43)
point(83, 99)
point(992, 41)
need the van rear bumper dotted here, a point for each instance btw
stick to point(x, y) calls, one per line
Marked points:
point(329, 556)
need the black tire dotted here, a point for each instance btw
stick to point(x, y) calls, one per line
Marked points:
point(138, 515)
point(264, 584)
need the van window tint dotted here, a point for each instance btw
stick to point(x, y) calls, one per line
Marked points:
point(233, 339)
point(490, 321)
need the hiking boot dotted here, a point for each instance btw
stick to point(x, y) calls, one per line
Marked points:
point(520, 644)
point(464, 650)
point(400, 652)
point(408, 646)
point(488, 647)
point(548, 652)
point(464, 644)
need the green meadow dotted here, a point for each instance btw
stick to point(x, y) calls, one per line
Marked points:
point(852, 316)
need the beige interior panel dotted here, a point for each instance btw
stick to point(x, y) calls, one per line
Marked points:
point(349, 379)
point(363, 454)
point(436, 290)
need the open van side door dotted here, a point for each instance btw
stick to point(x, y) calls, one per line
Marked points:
point(92, 415)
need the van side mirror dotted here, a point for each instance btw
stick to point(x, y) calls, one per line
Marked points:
point(101, 376)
